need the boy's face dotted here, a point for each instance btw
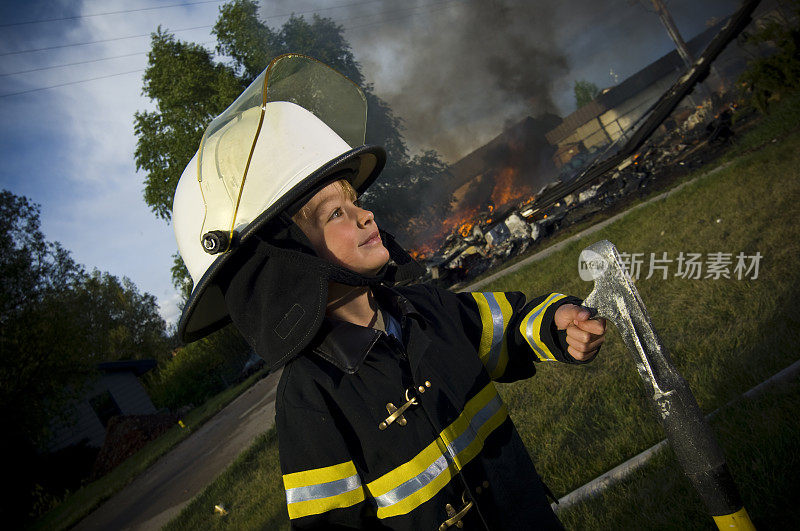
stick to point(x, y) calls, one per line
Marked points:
point(342, 232)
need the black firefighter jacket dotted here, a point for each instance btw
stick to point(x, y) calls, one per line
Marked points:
point(375, 433)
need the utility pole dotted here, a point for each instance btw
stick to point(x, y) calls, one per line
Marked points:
point(666, 19)
point(680, 44)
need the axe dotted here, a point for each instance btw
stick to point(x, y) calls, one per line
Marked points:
point(616, 299)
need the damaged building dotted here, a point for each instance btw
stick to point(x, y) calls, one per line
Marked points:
point(587, 131)
point(510, 193)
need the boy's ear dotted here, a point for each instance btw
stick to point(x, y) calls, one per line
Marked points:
point(283, 232)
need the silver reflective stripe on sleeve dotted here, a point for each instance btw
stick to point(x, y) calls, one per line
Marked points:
point(323, 490)
point(497, 332)
point(530, 320)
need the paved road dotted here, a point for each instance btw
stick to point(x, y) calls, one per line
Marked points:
point(160, 493)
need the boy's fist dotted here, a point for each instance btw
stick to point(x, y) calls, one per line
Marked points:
point(584, 335)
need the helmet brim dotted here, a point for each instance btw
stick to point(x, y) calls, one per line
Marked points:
point(205, 311)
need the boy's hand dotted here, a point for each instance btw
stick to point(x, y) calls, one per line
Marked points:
point(584, 335)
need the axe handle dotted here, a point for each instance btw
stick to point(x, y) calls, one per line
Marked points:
point(700, 456)
point(688, 432)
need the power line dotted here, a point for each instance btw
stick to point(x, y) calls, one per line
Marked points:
point(176, 31)
point(95, 42)
point(70, 64)
point(122, 11)
point(108, 13)
point(17, 52)
point(352, 4)
point(439, 6)
point(51, 67)
point(69, 83)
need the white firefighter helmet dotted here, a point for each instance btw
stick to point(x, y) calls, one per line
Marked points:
point(297, 124)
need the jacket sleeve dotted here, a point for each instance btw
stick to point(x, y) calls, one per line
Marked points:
point(323, 488)
point(511, 333)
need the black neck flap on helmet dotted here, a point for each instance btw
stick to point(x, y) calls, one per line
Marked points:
point(276, 287)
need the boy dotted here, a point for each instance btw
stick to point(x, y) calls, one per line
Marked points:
point(387, 413)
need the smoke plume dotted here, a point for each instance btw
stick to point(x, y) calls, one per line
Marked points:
point(455, 71)
point(467, 68)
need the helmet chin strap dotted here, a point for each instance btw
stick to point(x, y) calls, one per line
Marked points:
point(321, 268)
point(289, 243)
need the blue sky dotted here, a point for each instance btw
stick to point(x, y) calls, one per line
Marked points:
point(70, 148)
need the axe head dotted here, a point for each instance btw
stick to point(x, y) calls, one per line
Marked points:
point(614, 296)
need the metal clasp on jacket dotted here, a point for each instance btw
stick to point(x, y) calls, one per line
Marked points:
point(396, 414)
point(456, 516)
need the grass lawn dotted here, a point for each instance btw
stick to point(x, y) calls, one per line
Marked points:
point(725, 336)
point(83, 501)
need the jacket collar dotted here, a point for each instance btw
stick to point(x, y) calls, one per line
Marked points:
point(346, 345)
point(391, 300)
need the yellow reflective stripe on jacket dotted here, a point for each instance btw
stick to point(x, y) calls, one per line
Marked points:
point(495, 311)
point(531, 328)
point(322, 489)
point(413, 483)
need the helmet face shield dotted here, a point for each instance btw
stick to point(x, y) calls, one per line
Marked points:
point(226, 150)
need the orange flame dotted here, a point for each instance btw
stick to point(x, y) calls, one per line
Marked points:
point(508, 189)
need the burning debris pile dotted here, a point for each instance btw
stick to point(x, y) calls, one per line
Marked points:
point(486, 237)
point(483, 247)
point(490, 182)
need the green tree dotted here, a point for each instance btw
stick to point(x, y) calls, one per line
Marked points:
point(190, 88)
point(42, 355)
point(585, 92)
point(252, 45)
point(774, 70)
point(42, 361)
point(199, 370)
point(56, 324)
point(119, 322)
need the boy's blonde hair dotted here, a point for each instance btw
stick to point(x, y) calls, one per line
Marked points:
point(304, 214)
